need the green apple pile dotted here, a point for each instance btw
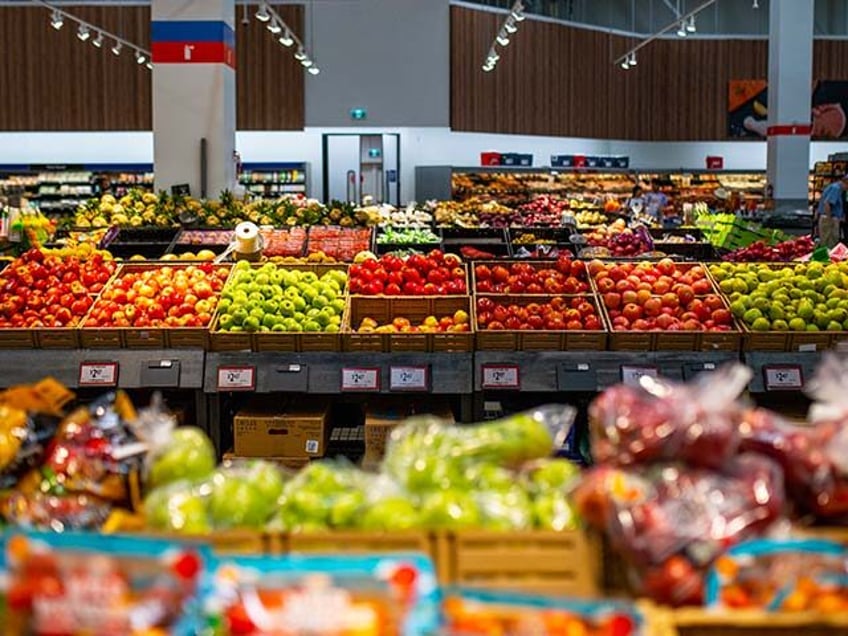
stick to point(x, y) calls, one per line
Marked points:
point(241, 495)
point(493, 476)
point(804, 297)
point(271, 298)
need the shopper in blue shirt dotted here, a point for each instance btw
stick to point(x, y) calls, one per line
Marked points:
point(831, 212)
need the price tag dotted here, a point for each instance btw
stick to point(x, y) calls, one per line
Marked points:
point(361, 379)
point(631, 375)
point(236, 378)
point(783, 378)
point(98, 374)
point(408, 378)
point(500, 377)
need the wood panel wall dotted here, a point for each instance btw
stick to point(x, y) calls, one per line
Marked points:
point(50, 81)
point(560, 81)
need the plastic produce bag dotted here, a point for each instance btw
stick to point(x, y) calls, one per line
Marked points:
point(663, 420)
point(670, 522)
point(58, 513)
point(485, 612)
point(549, 482)
point(781, 575)
point(427, 454)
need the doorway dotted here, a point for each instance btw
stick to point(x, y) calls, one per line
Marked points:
point(360, 166)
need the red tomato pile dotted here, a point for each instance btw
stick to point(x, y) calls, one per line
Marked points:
point(41, 290)
point(662, 296)
point(560, 314)
point(561, 277)
point(435, 274)
point(160, 297)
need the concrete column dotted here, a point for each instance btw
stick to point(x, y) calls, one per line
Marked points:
point(194, 93)
point(789, 100)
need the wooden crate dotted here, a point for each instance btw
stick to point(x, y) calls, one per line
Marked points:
point(537, 264)
point(101, 338)
point(17, 338)
point(540, 340)
point(383, 309)
point(561, 563)
point(57, 338)
point(708, 622)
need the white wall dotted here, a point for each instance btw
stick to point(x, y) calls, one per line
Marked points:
point(419, 146)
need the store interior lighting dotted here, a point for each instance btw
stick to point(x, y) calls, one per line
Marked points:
point(508, 29)
point(58, 17)
point(276, 25)
point(682, 25)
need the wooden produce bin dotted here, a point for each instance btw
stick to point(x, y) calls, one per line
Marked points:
point(541, 340)
point(706, 622)
point(384, 309)
point(543, 562)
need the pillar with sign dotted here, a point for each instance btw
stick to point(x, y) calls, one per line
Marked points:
point(194, 95)
point(789, 97)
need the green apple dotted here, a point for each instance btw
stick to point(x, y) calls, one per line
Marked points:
point(346, 508)
point(235, 503)
point(391, 513)
point(552, 511)
point(269, 320)
point(251, 323)
point(286, 308)
point(798, 324)
point(189, 454)
point(450, 509)
point(311, 325)
point(239, 316)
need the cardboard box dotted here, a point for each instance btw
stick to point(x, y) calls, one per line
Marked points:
point(292, 431)
point(381, 418)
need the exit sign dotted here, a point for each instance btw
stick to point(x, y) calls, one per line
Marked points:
point(358, 114)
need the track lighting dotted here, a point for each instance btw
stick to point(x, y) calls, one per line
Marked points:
point(149, 66)
point(262, 13)
point(274, 27)
point(116, 50)
point(300, 55)
point(690, 26)
point(625, 63)
point(286, 38)
point(756, 5)
point(98, 41)
point(681, 30)
point(488, 68)
point(502, 39)
point(517, 12)
point(57, 21)
point(306, 63)
point(140, 58)
point(633, 61)
point(83, 33)
point(314, 70)
point(510, 27)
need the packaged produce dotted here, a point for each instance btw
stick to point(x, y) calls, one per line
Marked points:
point(671, 522)
point(814, 457)
point(74, 584)
point(237, 495)
point(337, 595)
point(340, 243)
point(790, 575)
point(485, 613)
point(664, 420)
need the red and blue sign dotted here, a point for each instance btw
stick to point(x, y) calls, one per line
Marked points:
point(193, 42)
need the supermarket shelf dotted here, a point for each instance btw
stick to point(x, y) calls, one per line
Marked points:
point(585, 371)
point(795, 369)
point(172, 368)
point(321, 373)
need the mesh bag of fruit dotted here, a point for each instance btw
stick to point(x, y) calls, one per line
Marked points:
point(660, 419)
point(814, 457)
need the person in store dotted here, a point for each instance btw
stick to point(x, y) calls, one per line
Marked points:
point(655, 202)
point(636, 202)
point(831, 212)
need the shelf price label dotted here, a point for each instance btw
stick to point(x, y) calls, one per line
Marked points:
point(408, 378)
point(783, 378)
point(236, 378)
point(360, 379)
point(500, 377)
point(631, 375)
point(98, 374)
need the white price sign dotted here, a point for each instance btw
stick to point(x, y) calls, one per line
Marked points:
point(783, 378)
point(631, 375)
point(408, 378)
point(361, 379)
point(236, 378)
point(500, 377)
point(98, 374)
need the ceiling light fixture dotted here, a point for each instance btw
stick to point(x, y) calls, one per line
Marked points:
point(83, 33)
point(503, 38)
point(262, 13)
point(274, 27)
point(517, 12)
point(306, 63)
point(633, 61)
point(300, 55)
point(98, 41)
point(57, 21)
point(510, 27)
point(149, 65)
point(690, 26)
point(625, 63)
point(286, 38)
point(116, 50)
point(681, 29)
point(140, 58)
point(314, 70)
point(508, 30)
